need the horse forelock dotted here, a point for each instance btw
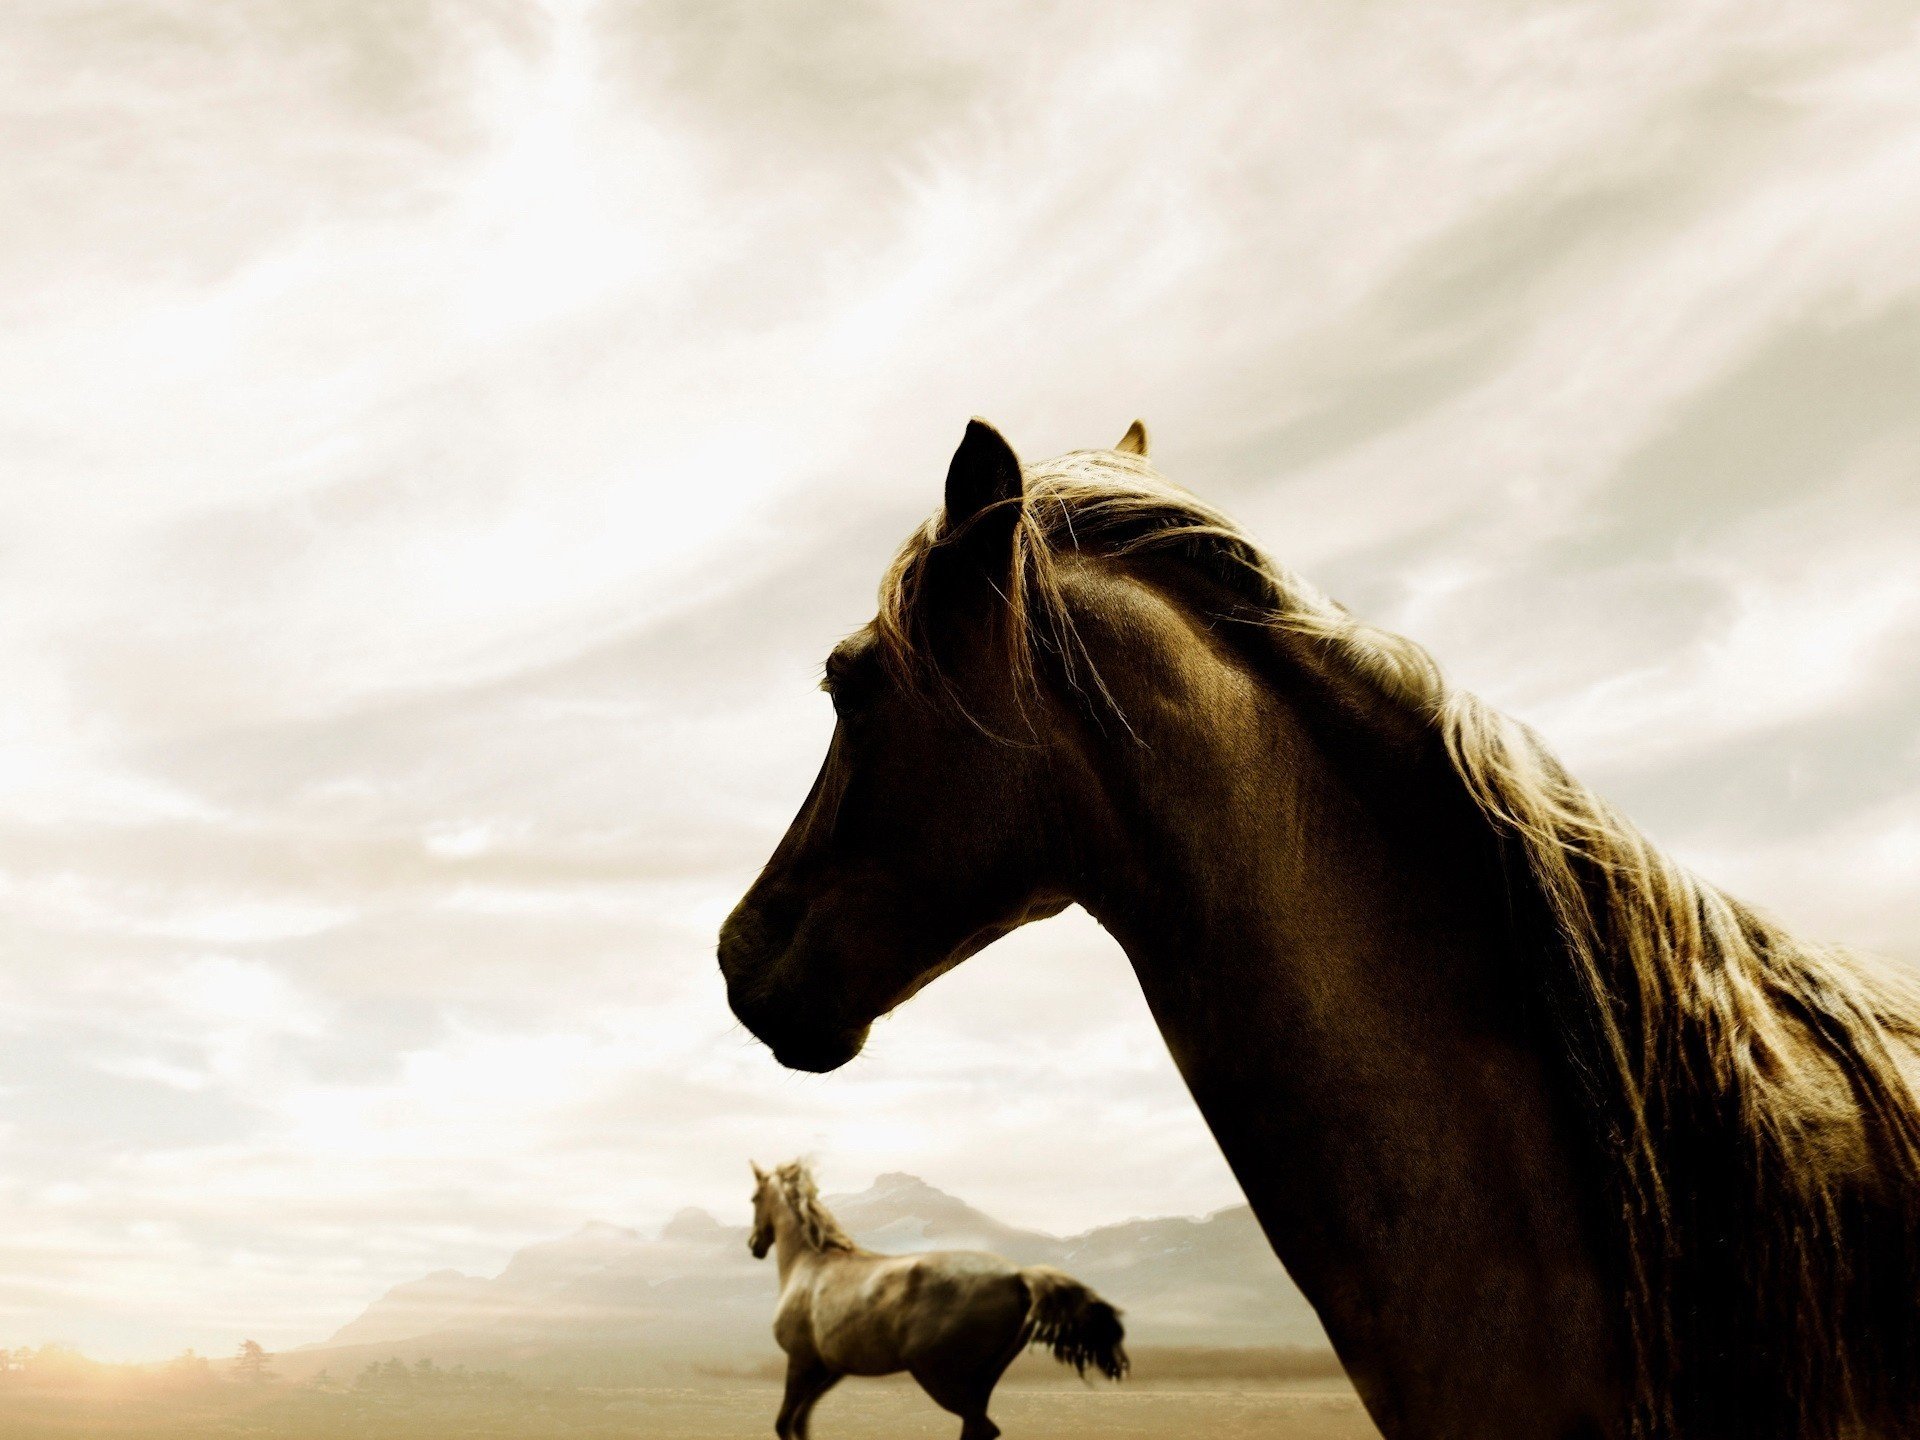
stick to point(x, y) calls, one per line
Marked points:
point(818, 1229)
point(1745, 1085)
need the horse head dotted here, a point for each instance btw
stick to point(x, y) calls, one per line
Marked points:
point(936, 823)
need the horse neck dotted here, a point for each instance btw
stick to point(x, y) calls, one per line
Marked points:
point(790, 1243)
point(1316, 915)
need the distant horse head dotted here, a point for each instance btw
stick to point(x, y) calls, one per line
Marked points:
point(935, 825)
point(761, 1240)
point(786, 1198)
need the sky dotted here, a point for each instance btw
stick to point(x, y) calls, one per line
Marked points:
point(440, 441)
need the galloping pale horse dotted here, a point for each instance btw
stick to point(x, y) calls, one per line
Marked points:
point(953, 1319)
point(1558, 1139)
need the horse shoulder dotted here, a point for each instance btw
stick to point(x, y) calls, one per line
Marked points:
point(793, 1327)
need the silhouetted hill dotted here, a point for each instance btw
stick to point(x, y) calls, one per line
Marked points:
point(607, 1296)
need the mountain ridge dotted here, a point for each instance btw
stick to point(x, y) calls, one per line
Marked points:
point(690, 1293)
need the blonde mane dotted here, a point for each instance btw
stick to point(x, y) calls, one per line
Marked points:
point(797, 1190)
point(1748, 1090)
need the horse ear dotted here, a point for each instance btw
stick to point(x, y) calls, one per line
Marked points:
point(759, 1175)
point(983, 475)
point(1134, 442)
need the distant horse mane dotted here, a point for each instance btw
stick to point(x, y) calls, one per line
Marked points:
point(1745, 1087)
point(818, 1228)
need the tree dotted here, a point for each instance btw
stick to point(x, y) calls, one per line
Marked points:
point(253, 1364)
point(188, 1368)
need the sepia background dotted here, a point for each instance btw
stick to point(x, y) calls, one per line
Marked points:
point(439, 442)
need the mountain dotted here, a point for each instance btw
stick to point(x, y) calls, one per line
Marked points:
point(898, 1213)
point(441, 1300)
point(693, 1295)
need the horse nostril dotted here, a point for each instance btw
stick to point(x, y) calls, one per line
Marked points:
point(735, 950)
point(753, 936)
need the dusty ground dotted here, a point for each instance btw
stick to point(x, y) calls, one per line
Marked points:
point(741, 1410)
point(895, 1411)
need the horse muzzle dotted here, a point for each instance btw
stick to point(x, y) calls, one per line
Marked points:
point(817, 1054)
point(799, 1037)
point(804, 1031)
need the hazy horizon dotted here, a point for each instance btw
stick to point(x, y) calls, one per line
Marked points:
point(442, 442)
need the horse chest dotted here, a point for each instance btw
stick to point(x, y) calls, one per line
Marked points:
point(793, 1321)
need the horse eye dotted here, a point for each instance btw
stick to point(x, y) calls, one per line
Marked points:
point(843, 701)
point(850, 687)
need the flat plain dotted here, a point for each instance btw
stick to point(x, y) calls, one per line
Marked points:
point(707, 1410)
point(882, 1410)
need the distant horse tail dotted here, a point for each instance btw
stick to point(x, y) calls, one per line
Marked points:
point(1077, 1325)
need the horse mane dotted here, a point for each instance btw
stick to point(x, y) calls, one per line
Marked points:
point(1743, 1088)
point(802, 1196)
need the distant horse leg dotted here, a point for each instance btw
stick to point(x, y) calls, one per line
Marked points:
point(803, 1417)
point(974, 1424)
point(966, 1398)
point(807, 1381)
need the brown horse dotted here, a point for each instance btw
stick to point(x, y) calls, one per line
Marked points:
point(953, 1319)
point(1558, 1139)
